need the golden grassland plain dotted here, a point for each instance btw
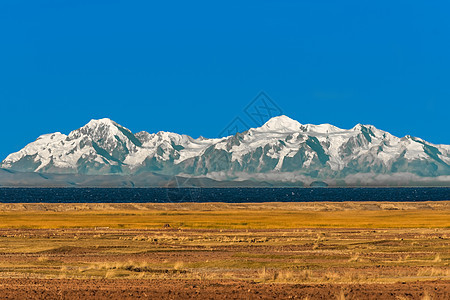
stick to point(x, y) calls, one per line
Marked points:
point(365, 243)
point(225, 215)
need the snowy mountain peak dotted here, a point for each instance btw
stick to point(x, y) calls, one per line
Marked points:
point(99, 129)
point(360, 126)
point(99, 122)
point(282, 124)
point(282, 146)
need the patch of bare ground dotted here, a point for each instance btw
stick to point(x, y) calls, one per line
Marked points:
point(215, 206)
point(212, 289)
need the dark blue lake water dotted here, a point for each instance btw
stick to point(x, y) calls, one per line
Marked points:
point(231, 195)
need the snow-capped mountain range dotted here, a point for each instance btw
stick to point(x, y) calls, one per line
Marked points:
point(282, 149)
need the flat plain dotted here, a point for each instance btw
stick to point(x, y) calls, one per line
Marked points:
point(326, 250)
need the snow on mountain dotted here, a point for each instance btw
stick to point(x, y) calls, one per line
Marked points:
point(280, 146)
point(281, 124)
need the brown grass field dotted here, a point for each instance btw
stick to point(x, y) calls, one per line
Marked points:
point(348, 250)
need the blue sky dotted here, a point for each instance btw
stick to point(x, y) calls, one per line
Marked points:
point(193, 66)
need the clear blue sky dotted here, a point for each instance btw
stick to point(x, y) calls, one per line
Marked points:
point(192, 66)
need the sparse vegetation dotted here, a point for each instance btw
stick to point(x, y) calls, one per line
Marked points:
point(265, 254)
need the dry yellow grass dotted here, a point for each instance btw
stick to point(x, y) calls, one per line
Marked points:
point(321, 255)
point(277, 244)
point(260, 219)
